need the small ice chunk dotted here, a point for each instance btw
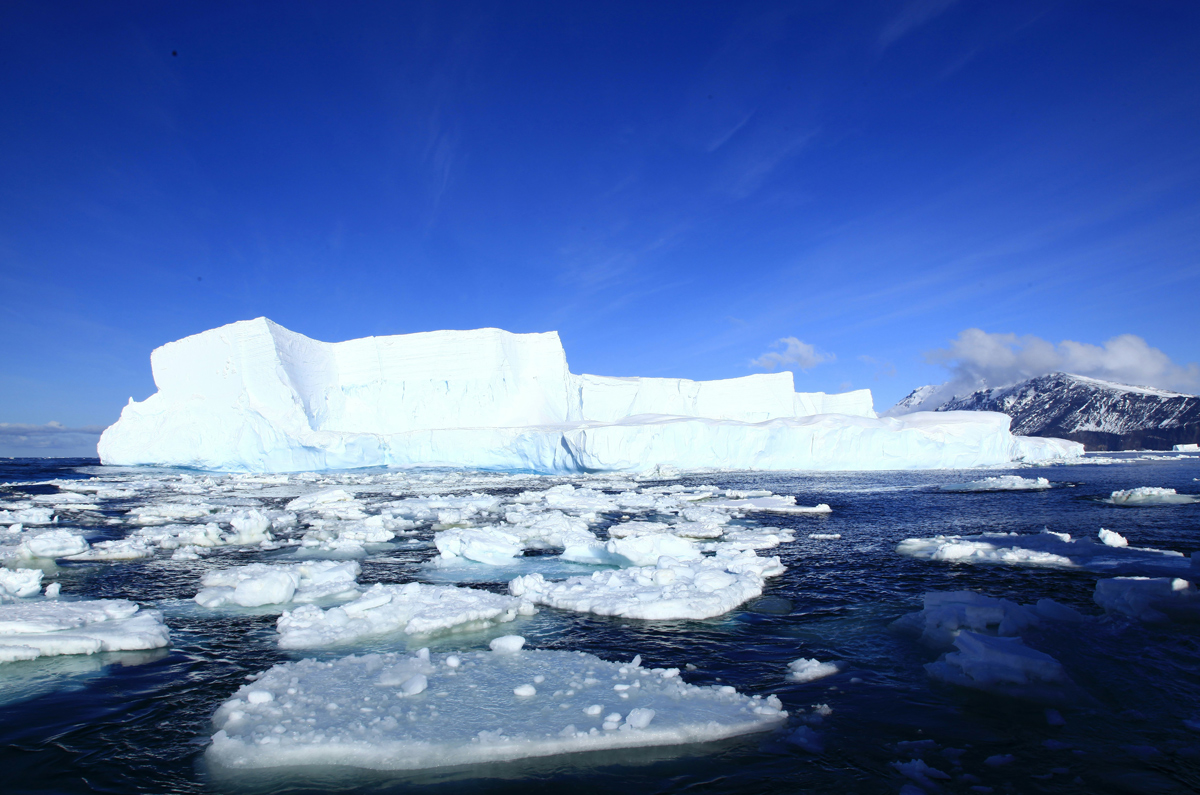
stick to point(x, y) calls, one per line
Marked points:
point(525, 690)
point(19, 583)
point(806, 670)
point(1113, 539)
point(507, 644)
point(414, 685)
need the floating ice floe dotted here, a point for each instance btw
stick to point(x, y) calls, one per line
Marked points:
point(32, 629)
point(259, 584)
point(671, 589)
point(391, 711)
point(806, 670)
point(1049, 549)
point(1153, 599)
point(50, 545)
point(1151, 495)
point(1001, 483)
point(413, 608)
point(246, 528)
point(19, 514)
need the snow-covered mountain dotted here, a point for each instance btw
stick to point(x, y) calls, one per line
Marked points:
point(1101, 414)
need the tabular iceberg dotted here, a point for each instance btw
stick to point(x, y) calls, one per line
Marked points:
point(253, 396)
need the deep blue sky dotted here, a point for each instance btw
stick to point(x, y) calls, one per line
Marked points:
point(673, 187)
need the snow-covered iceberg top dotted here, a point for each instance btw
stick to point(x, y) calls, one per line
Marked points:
point(253, 396)
point(391, 711)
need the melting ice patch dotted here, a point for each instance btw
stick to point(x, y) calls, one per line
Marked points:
point(390, 711)
point(1049, 549)
point(1151, 495)
point(413, 608)
point(670, 589)
point(31, 629)
point(989, 652)
point(1001, 483)
point(1153, 599)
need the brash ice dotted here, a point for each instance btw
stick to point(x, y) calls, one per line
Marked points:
point(254, 396)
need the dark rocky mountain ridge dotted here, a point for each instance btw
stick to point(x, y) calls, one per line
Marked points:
point(1100, 414)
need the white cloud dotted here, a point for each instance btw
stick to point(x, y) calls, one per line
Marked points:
point(978, 359)
point(794, 353)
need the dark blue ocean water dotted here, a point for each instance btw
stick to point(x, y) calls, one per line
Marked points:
point(139, 722)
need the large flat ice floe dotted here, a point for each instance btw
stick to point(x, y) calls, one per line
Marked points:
point(32, 629)
point(670, 589)
point(396, 712)
point(253, 396)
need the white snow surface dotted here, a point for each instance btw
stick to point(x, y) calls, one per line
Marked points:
point(259, 584)
point(253, 396)
point(1151, 495)
point(43, 628)
point(670, 589)
point(391, 711)
point(413, 608)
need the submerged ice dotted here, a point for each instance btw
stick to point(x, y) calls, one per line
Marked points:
point(253, 396)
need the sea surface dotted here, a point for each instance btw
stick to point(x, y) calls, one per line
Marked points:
point(141, 721)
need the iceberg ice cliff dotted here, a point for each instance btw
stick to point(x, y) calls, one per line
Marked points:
point(253, 396)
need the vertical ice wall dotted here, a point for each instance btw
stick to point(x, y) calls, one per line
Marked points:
point(254, 396)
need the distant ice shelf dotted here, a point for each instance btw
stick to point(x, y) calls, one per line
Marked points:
point(253, 396)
